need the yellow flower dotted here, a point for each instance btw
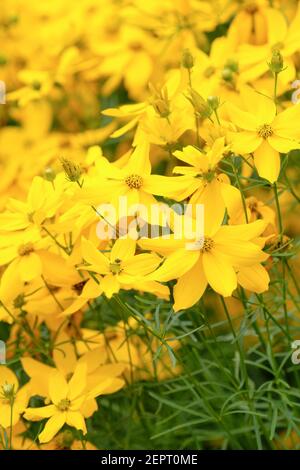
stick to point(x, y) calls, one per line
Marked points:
point(281, 36)
point(121, 268)
point(68, 400)
point(214, 190)
point(263, 132)
point(134, 181)
point(43, 201)
point(214, 261)
point(23, 252)
point(65, 361)
point(250, 24)
point(13, 400)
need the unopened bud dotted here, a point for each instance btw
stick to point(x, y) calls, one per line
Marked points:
point(72, 170)
point(49, 174)
point(201, 107)
point(187, 59)
point(160, 101)
point(276, 64)
point(8, 391)
point(227, 74)
point(214, 102)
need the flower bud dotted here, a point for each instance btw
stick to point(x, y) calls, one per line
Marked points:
point(201, 107)
point(187, 59)
point(214, 102)
point(276, 64)
point(72, 170)
point(8, 391)
point(160, 101)
point(49, 174)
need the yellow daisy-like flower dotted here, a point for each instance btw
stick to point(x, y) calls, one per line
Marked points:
point(68, 399)
point(215, 260)
point(213, 188)
point(121, 268)
point(264, 132)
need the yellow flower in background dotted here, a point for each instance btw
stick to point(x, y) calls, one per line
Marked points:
point(42, 203)
point(281, 36)
point(264, 132)
point(66, 362)
point(23, 252)
point(68, 399)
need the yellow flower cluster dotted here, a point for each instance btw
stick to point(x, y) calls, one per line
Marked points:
point(208, 122)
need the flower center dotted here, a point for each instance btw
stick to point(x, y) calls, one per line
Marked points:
point(134, 181)
point(26, 249)
point(265, 131)
point(115, 267)
point(64, 404)
point(208, 244)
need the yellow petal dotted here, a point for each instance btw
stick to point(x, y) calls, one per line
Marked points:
point(240, 232)
point(64, 354)
point(76, 420)
point(232, 198)
point(37, 414)
point(219, 273)
point(33, 367)
point(110, 285)
point(285, 124)
point(241, 253)
point(141, 265)
point(190, 287)
point(94, 257)
point(244, 142)
point(260, 106)
point(267, 162)
point(139, 161)
point(123, 249)
point(58, 387)
point(9, 377)
point(214, 208)
point(176, 187)
point(242, 119)
point(193, 157)
point(77, 383)
point(53, 425)
point(177, 264)
point(163, 246)
point(283, 145)
point(30, 267)
point(254, 278)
